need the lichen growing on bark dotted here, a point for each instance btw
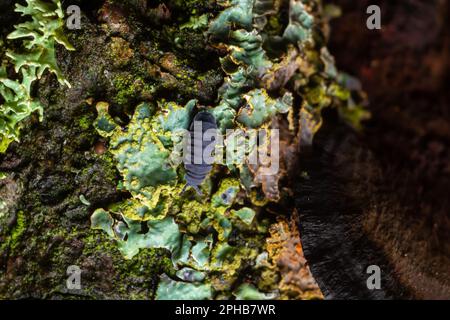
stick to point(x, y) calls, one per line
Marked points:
point(218, 236)
point(39, 37)
point(112, 160)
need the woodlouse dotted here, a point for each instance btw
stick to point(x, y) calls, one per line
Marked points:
point(196, 163)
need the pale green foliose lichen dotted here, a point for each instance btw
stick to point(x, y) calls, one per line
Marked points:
point(300, 25)
point(18, 104)
point(213, 239)
point(245, 214)
point(161, 234)
point(239, 13)
point(260, 108)
point(143, 159)
point(104, 123)
point(249, 292)
point(169, 289)
point(39, 37)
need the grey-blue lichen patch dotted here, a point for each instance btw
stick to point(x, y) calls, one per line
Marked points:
point(246, 49)
point(175, 117)
point(239, 13)
point(104, 123)
point(102, 220)
point(201, 252)
point(190, 275)
point(299, 29)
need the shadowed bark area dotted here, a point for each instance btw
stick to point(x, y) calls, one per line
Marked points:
point(382, 197)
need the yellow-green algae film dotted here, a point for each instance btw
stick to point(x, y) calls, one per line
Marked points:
point(216, 240)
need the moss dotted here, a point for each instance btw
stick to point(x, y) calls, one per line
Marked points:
point(196, 22)
point(85, 122)
point(148, 264)
point(127, 87)
point(18, 230)
point(274, 25)
point(14, 236)
point(191, 216)
point(190, 6)
point(120, 51)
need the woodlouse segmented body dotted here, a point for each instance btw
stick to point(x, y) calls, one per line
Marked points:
point(196, 164)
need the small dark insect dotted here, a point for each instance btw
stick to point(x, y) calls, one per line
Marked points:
point(197, 168)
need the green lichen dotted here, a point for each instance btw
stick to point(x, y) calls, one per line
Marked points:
point(300, 25)
point(246, 49)
point(84, 201)
point(249, 292)
point(224, 115)
point(143, 159)
point(226, 195)
point(104, 123)
point(245, 214)
point(128, 233)
point(260, 108)
point(175, 290)
point(239, 13)
point(18, 104)
point(39, 37)
point(123, 221)
point(216, 240)
point(246, 52)
point(45, 30)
